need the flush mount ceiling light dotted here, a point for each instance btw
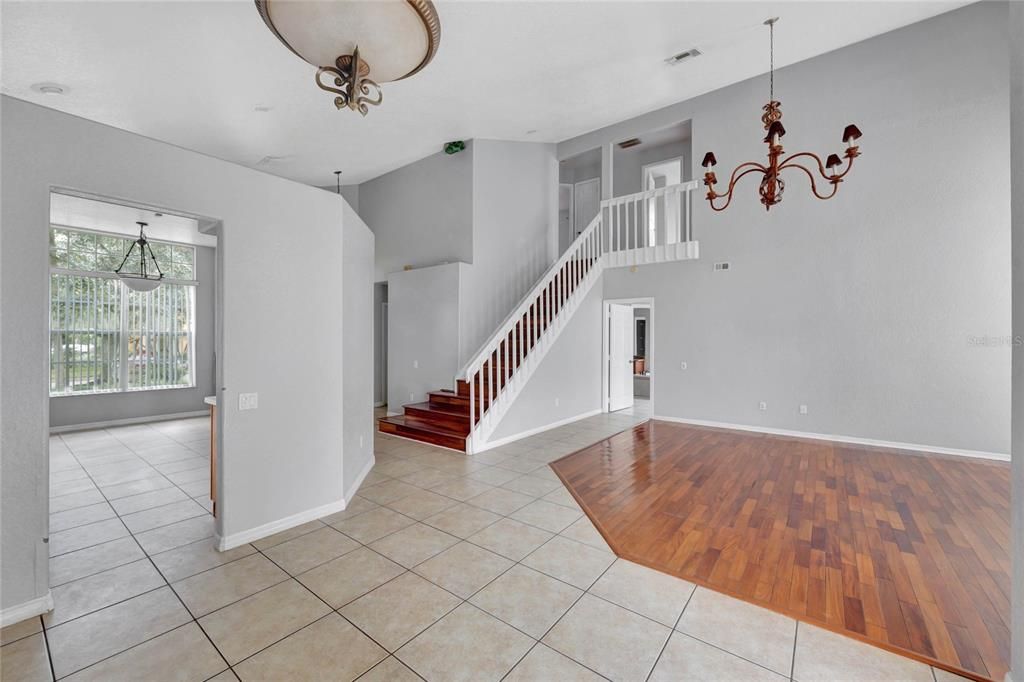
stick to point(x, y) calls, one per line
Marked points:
point(388, 39)
point(141, 280)
point(772, 186)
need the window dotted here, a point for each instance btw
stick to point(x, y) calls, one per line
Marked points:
point(105, 337)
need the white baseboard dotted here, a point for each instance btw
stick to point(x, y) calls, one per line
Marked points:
point(532, 432)
point(853, 440)
point(19, 612)
point(226, 542)
point(380, 404)
point(350, 493)
point(128, 421)
point(1007, 678)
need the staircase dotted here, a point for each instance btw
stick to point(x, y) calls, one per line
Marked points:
point(647, 227)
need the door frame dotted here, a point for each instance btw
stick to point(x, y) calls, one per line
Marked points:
point(647, 301)
point(575, 185)
point(572, 215)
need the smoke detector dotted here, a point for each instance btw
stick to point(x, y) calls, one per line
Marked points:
point(683, 56)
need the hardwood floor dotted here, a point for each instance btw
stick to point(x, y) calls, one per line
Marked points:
point(904, 550)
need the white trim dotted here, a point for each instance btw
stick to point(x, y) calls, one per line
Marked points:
point(854, 440)
point(381, 403)
point(641, 302)
point(1007, 678)
point(531, 432)
point(129, 420)
point(33, 607)
point(351, 492)
point(226, 542)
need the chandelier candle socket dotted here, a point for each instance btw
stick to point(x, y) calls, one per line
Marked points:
point(347, 40)
point(772, 186)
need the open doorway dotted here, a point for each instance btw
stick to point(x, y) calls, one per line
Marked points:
point(579, 195)
point(132, 376)
point(628, 353)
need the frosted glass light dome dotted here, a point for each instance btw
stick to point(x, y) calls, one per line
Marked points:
point(396, 38)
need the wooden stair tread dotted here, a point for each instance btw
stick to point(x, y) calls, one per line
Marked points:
point(434, 434)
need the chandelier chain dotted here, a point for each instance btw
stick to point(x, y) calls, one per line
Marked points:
point(771, 62)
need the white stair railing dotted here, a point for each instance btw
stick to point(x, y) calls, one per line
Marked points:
point(646, 227)
point(509, 357)
point(651, 226)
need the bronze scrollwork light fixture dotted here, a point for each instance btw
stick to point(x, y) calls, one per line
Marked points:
point(398, 37)
point(772, 186)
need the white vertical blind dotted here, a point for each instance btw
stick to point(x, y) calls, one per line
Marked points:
point(105, 337)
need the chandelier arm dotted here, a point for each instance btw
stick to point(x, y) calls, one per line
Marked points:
point(791, 157)
point(814, 186)
point(712, 195)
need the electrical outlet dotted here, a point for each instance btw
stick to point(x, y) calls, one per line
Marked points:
point(248, 401)
point(763, 406)
point(682, 365)
point(415, 364)
point(557, 401)
point(360, 442)
point(803, 409)
point(411, 397)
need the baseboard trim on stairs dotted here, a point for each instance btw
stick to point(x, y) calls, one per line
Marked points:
point(532, 432)
point(33, 607)
point(853, 440)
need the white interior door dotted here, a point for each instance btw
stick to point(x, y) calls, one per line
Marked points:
point(620, 356)
point(586, 203)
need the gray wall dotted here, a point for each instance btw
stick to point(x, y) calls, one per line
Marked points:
point(1016, 30)
point(627, 169)
point(570, 373)
point(356, 347)
point(515, 232)
point(423, 332)
point(282, 460)
point(866, 307)
point(421, 214)
point(102, 407)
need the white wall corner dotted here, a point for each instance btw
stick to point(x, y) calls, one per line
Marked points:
point(20, 612)
point(226, 542)
point(852, 440)
point(351, 492)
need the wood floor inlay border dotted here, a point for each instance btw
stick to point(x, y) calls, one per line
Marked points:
point(904, 550)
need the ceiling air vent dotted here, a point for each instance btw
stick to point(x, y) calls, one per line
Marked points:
point(721, 266)
point(632, 142)
point(683, 56)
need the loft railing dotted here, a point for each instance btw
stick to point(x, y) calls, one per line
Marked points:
point(656, 217)
point(650, 226)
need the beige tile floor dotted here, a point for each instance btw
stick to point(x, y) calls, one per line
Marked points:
point(444, 567)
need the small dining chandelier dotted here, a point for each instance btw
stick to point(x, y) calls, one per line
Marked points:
point(392, 39)
point(772, 186)
point(142, 280)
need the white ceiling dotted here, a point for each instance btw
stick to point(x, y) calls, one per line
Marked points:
point(103, 216)
point(192, 73)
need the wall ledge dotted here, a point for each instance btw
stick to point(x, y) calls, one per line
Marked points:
point(20, 612)
point(895, 445)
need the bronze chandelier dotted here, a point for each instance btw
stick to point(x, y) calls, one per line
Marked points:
point(772, 186)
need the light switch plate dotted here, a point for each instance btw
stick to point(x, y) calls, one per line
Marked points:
point(248, 401)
